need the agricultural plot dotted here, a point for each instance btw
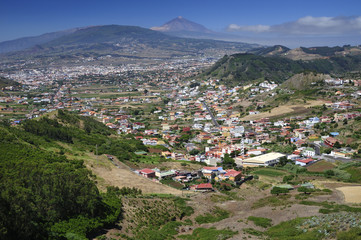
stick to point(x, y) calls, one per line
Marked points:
point(352, 193)
point(320, 166)
point(284, 109)
point(270, 172)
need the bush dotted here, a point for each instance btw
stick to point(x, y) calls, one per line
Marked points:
point(217, 215)
point(278, 190)
point(209, 234)
point(260, 221)
point(353, 233)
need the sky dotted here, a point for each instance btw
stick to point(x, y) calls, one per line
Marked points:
point(287, 22)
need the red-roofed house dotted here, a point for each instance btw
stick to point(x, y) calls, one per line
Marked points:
point(146, 172)
point(203, 187)
point(230, 174)
point(330, 141)
point(303, 162)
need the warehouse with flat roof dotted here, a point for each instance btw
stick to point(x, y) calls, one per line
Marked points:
point(268, 159)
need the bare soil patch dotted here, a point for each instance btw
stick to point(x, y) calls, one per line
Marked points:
point(352, 193)
point(284, 109)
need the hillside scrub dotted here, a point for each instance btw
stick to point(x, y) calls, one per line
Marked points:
point(43, 194)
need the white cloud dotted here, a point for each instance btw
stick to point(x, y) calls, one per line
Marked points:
point(308, 25)
point(254, 28)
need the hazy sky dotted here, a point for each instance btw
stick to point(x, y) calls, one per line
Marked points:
point(287, 22)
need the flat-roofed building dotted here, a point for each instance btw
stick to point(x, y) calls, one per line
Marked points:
point(268, 159)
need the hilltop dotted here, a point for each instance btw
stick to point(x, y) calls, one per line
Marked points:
point(181, 24)
point(241, 68)
point(303, 53)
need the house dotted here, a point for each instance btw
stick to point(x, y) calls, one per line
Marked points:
point(257, 151)
point(230, 174)
point(203, 187)
point(330, 141)
point(211, 172)
point(304, 162)
point(146, 172)
point(167, 174)
point(308, 152)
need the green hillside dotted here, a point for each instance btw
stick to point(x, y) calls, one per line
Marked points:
point(246, 67)
point(44, 195)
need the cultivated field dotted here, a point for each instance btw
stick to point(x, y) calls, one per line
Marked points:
point(282, 110)
point(320, 166)
point(352, 193)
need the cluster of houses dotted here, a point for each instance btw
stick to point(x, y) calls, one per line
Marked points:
point(211, 173)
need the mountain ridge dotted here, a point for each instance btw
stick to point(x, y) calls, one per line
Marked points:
point(126, 42)
point(247, 67)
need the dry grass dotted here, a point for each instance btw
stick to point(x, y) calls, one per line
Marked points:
point(352, 193)
point(120, 175)
point(284, 109)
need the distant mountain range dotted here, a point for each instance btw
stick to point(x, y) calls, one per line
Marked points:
point(27, 42)
point(115, 41)
point(303, 53)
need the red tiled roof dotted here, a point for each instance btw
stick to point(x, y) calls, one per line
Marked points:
point(305, 160)
point(204, 186)
point(146, 171)
point(232, 173)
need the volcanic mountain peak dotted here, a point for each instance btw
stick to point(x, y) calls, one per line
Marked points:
point(179, 24)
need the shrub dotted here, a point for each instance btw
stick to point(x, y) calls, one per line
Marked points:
point(260, 221)
point(278, 190)
point(217, 215)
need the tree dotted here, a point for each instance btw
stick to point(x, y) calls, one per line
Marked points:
point(305, 190)
point(194, 152)
point(278, 190)
point(228, 162)
point(337, 145)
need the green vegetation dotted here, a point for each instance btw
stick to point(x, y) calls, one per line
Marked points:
point(353, 233)
point(4, 82)
point(288, 230)
point(269, 172)
point(252, 231)
point(305, 190)
point(209, 234)
point(327, 226)
point(172, 183)
point(330, 207)
point(43, 194)
point(279, 190)
point(260, 221)
point(249, 67)
point(273, 201)
point(216, 215)
point(154, 218)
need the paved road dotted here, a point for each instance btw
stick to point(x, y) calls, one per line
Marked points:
point(210, 113)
